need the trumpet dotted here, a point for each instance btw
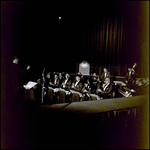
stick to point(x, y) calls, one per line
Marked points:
point(125, 94)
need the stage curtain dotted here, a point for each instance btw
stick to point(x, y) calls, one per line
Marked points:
point(104, 44)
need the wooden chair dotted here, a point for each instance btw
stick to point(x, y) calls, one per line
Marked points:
point(62, 96)
point(50, 95)
point(29, 95)
point(75, 97)
point(94, 97)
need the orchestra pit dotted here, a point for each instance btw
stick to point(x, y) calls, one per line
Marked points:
point(75, 75)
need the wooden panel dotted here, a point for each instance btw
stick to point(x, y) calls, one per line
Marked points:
point(90, 107)
point(62, 97)
point(50, 95)
point(75, 97)
point(29, 95)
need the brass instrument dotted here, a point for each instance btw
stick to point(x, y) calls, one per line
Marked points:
point(125, 94)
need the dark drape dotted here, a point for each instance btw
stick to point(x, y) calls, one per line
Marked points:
point(104, 43)
point(117, 40)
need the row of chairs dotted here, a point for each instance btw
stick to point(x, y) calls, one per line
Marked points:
point(62, 96)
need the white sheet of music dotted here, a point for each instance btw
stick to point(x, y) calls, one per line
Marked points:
point(29, 85)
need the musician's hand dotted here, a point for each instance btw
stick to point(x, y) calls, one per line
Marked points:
point(28, 67)
point(50, 83)
point(99, 90)
point(72, 85)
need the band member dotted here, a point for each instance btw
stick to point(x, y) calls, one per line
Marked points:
point(16, 78)
point(77, 86)
point(94, 84)
point(130, 79)
point(86, 90)
point(106, 91)
point(55, 85)
point(48, 78)
point(55, 82)
point(134, 68)
point(61, 78)
point(105, 74)
point(66, 84)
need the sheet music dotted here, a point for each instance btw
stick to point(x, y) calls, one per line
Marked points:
point(29, 85)
point(119, 82)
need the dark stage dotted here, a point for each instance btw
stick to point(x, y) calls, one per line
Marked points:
point(30, 126)
point(111, 34)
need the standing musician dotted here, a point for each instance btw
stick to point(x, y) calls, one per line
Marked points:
point(16, 79)
point(130, 78)
point(105, 74)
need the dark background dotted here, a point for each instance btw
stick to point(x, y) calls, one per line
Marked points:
point(112, 34)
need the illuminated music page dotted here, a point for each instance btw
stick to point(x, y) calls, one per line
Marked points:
point(29, 85)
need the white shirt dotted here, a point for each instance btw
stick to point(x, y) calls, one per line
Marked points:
point(76, 83)
point(66, 81)
point(105, 86)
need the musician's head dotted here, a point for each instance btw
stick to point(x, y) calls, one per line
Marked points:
point(78, 78)
point(94, 76)
point(67, 76)
point(135, 64)
point(55, 76)
point(15, 60)
point(48, 75)
point(129, 69)
point(107, 80)
point(105, 70)
point(60, 75)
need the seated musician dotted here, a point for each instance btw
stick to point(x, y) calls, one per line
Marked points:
point(61, 78)
point(55, 85)
point(66, 85)
point(48, 78)
point(77, 85)
point(55, 82)
point(106, 91)
point(86, 90)
point(130, 79)
point(141, 86)
point(104, 75)
point(94, 84)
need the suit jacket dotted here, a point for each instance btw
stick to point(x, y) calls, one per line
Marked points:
point(106, 92)
point(78, 87)
point(108, 89)
point(86, 89)
point(55, 85)
point(66, 85)
point(131, 80)
point(93, 86)
point(130, 77)
point(61, 81)
point(16, 79)
point(103, 77)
